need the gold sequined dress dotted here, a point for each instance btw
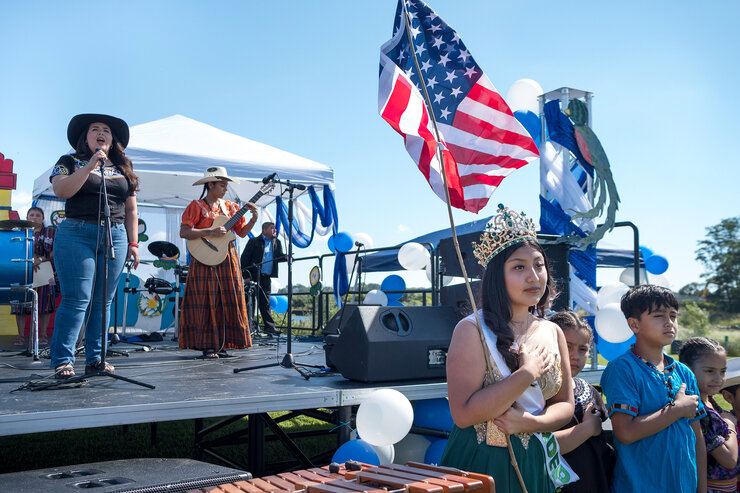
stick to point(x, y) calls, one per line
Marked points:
point(482, 448)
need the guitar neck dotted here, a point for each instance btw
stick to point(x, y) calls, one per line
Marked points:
point(231, 222)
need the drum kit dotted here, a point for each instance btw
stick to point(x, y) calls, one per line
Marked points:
point(16, 274)
point(167, 255)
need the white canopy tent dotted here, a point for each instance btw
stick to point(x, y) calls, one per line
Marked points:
point(172, 153)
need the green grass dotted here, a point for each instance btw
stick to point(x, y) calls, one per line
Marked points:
point(174, 440)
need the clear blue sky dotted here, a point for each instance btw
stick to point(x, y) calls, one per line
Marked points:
point(302, 76)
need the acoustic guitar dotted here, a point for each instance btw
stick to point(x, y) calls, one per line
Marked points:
point(212, 250)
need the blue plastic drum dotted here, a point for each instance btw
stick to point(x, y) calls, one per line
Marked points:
point(16, 264)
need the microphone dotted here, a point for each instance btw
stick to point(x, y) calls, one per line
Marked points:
point(102, 161)
point(268, 178)
point(359, 244)
point(300, 187)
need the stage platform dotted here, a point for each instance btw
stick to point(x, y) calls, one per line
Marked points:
point(186, 387)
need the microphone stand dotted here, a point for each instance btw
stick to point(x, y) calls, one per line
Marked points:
point(288, 360)
point(108, 253)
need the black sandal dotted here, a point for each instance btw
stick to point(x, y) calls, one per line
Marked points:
point(210, 354)
point(65, 371)
point(98, 366)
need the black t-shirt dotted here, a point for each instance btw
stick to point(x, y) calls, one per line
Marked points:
point(85, 203)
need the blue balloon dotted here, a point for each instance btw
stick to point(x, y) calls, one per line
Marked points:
point(434, 452)
point(646, 252)
point(656, 264)
point(531, 122)
point(393, 283)
point(358, 450)
point(281, 303)
point(343, 242)
point(273, 302)
point(330, 244)
point(434, 414)
point(394, 303)
point(612, 350)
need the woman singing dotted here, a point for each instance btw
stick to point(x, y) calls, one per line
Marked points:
point(78, 246)
point(214, 313)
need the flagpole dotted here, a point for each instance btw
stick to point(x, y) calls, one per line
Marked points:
point(473, 304)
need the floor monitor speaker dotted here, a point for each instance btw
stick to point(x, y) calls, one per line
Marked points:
point(383, 343)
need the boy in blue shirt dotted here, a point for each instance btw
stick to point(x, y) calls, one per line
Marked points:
point(654, 403)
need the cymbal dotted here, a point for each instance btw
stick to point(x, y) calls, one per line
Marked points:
point(164, 250)
point(9, 224)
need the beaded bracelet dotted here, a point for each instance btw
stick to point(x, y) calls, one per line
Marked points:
point(131, 243)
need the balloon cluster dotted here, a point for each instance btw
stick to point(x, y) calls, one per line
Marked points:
point(384, 419)
point(523, 99)
point(653, 273)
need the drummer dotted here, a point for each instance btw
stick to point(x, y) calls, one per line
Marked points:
point(43, 243)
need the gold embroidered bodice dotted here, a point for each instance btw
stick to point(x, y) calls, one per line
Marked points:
point(549, 384)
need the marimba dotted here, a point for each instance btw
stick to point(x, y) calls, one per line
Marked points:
point(413, 477)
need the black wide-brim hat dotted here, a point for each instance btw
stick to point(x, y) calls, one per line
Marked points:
point(80, 124)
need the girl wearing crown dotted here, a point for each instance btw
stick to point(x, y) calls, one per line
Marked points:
point(504, 377)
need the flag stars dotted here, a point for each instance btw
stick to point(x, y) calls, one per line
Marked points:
point(470, 72)
point(451, 76)
point(438, 97)
point(420, 49)
point(444, 60)
point(464, 55)
point(425, 66)
point(444, 113)
point(455, 38)
point(438, 42)
point(415, 32)
point(456, 91)
point(432, 82)
point(434, 28)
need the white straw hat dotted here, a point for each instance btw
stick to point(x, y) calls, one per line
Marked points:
point(215, 173)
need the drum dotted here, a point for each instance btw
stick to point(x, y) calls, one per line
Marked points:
point(16, 263)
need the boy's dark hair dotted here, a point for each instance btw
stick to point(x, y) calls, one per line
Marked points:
point(647, 298)
point(696, 347)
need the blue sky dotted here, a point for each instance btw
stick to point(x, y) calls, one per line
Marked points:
point(302, 76)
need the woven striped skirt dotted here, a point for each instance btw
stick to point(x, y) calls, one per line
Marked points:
point(214, 311)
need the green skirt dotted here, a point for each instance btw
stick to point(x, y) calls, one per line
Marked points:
point(464, 452)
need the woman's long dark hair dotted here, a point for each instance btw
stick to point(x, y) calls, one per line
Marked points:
point(496, 305)
point(115, 154)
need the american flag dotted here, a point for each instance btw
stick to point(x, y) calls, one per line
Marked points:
point(482, 141)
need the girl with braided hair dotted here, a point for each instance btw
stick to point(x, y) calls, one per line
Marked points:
point(708, 360)
point(504, 377)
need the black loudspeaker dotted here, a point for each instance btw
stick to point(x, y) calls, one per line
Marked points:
point(120, 476)
point(557, 256)
point(383, 343)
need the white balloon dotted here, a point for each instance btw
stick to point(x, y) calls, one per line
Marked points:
point(275, 285)
point(365, 239)
point(384, 417)
point(522, 96)
point(386, 453)
point(428, 268)
point(375, 297)
point(659, 280)
point(413, 256)
point(611, 324)
point(628, 276)
point(611, 293)
point(412, 448)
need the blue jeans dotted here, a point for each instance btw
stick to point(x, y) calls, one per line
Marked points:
point(78, 254)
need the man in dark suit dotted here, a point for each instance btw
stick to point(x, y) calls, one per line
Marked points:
point(259, 261)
